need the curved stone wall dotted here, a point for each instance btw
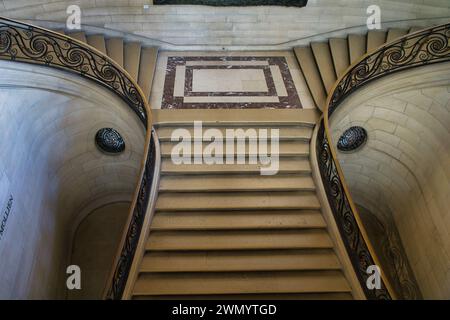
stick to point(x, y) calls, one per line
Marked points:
point(95, 246)
point(227, 26)
point(54, 171)
point(404, 167)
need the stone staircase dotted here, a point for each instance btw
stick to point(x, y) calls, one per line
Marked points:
point(322, 63)
point(139, 61)
point(226, 231)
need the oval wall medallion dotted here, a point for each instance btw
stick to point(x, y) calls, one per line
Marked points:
point(353, 138)
point(109, 140)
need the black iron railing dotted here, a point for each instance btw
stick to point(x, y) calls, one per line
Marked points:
point(417, 49)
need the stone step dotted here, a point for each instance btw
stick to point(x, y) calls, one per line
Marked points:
point(132, 57)
point(301, 133)
point(286, 165)
point(324, 61)
point(240, 282)
point(232, 182)
point(233, 261)
point(395, 33)
point(147, 69)
point(114, 47)
point(356, 46)
point(375, 39)
point(238, 220)
point(98, 42)
point(340, 54)
point(182, 201)
point(311, 73)
point(238, 240)
point(80, 36)
point(249, 148)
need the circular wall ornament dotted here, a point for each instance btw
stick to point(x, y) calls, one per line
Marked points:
point(352, 139)
point(109, 140)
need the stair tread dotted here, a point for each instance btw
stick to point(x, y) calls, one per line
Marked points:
point(339, 52)
point(242, 282)
point(285, 148)
point(395, 33)
point(238, 240)
point(132, 55)
point(236, 201)
point(80, 36)
point(322, 55)
point(230, 182)
point(276, 117)
point(415, 29)
point(147, 69)
point(311, 72)
point(226, 220)
point(115, 48)
point(375, 39)
point(226, 261)
point(356, 46)
point(275, 296)
point(287, 164)
point(98, 42)
point(285, 133)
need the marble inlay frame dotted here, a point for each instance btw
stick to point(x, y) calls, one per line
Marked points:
point(169, 101)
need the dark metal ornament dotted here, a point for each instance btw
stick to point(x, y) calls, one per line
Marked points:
point(352, 139)
point(225, 3)
point(109, 140)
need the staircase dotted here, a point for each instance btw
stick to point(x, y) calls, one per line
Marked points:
point(226, 231)
point(322, 63)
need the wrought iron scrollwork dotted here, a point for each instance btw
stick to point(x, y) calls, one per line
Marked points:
point(344, 216)
point(417, 49)
point(25, 43)
point(414, 50)
point(29, 44)
point(125, 260)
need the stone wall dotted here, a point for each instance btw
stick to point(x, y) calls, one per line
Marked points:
point(95, 246)
point(404, 166)
point(54, 171)
point(191, 27)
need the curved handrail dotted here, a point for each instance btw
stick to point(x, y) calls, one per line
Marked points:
point(35, 45)
point(413, 50)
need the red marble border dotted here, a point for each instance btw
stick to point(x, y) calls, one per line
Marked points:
point(171, 102)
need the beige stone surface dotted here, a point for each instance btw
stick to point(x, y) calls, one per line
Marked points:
point(235, 80)
point(202, 26)
point(53, 169)
point(95, 246)
point(404, 167)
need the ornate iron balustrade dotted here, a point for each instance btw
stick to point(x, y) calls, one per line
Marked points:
point(30, 44)
point(417, 49)
point(25, 43)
